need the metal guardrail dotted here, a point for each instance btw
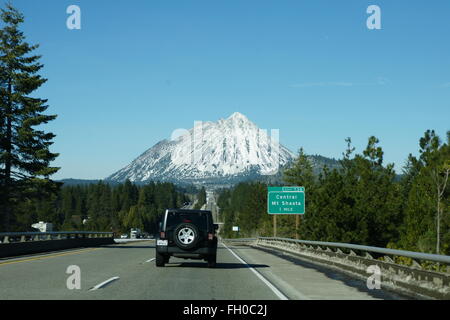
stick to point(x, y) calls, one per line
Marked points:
point(15, 237)
point(383, 251)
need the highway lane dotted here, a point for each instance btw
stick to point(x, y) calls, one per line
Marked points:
point(44, 276)
point(302, 280)
point(135, 276)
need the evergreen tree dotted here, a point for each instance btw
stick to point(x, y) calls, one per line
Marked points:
point(201, 198)
point(426, 210)
point(301, 173)
point(24, 150)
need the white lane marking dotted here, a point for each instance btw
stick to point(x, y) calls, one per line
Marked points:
point(150, 260)
point(104, 283)
point(277, 292)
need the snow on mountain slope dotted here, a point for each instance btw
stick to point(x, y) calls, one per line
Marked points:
point(211, 150)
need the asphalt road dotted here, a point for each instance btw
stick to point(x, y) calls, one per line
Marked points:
point(242, 273)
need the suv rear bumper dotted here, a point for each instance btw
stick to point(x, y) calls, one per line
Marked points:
point(198, 253)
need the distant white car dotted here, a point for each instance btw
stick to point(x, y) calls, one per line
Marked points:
point(124, 236)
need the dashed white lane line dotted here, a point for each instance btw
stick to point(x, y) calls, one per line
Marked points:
point(277, 292)
point(104, 283)
point(150, 260)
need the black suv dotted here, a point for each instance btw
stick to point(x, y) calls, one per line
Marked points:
point(188, 234)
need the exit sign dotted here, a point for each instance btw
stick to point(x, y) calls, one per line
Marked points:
point(286, 200)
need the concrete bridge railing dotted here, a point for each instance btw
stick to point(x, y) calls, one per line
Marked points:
point(21, 243)
point(426, 275)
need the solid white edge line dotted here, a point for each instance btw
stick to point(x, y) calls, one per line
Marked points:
point(277, 292)
point(104, 283)
point(150, 260)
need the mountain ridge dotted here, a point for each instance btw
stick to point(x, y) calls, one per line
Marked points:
point(224, 152)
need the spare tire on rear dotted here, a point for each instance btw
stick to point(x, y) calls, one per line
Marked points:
point(186, 236)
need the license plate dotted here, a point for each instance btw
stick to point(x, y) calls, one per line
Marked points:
point(161, 243)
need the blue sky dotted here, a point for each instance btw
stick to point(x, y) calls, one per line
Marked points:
point(139, 69)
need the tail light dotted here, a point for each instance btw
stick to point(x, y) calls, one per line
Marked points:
point(210, 236)
point(162, 235)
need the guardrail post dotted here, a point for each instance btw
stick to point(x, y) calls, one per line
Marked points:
point(23, 239)
point(368, 256)
point(416, 265)
point(6, 239)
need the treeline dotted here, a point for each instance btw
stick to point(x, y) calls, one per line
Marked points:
point(102, 207)
point(361, 202)
point(201, 199)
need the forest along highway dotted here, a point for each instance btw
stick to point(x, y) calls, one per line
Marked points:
point(128, 271)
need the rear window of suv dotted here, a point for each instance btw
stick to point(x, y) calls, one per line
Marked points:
point(198, 219)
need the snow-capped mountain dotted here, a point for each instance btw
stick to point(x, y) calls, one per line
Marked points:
point(230, 149)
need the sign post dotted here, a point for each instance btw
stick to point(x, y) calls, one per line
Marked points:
point(274, 225)
point(285, 200)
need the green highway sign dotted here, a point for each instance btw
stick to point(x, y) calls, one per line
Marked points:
point(286, 200)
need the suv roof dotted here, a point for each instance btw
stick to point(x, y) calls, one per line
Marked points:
point(188, 211)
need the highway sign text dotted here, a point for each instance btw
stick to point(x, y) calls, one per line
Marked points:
point(286, 200)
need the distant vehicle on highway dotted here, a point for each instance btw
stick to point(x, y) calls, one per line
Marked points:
point(43, 226)
point(187, 234)
point(124, 236)
point(146, 235)
point(135, 233)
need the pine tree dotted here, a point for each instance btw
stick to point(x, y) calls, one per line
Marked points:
point(201, 198)
point(426, 221)
point(301, 173)
point(24, 150)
